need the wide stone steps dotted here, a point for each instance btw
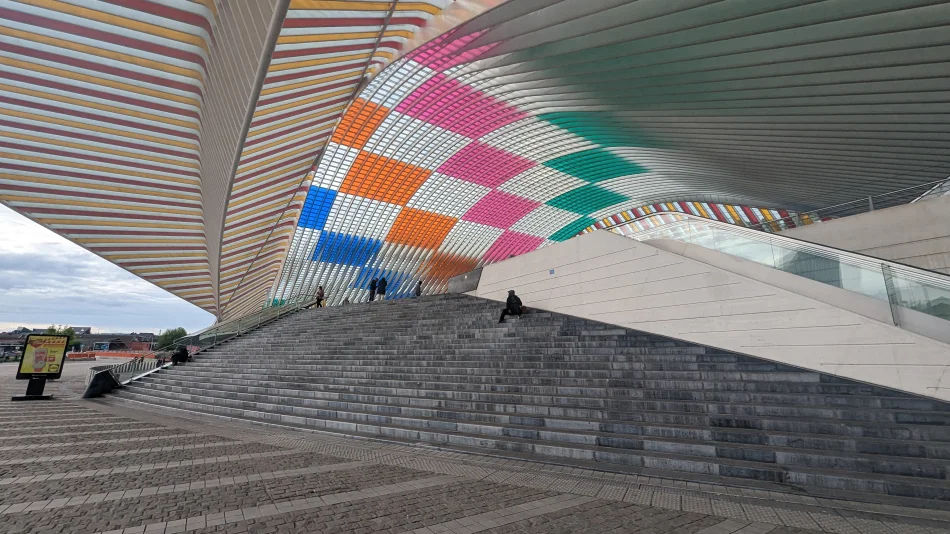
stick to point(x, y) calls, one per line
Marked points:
point(835, 482)
point(554, 418)
point(905, 427)
point(489, 374)
point(512, 418)
point(493, 365)
point(439, 370)
point(607, 400)
point(444, 389)
point(830, 400)
point(425, 419)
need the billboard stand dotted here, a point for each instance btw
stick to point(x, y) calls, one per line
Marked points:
point(34, 391)
point(42, 358)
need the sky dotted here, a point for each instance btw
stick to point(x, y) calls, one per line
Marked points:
point(46, 279)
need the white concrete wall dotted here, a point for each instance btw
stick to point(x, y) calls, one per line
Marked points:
point(609, 278)
point(916, 234)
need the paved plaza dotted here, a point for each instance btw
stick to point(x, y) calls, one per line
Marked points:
point(70, 465)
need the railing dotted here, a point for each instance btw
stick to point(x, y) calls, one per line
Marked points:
point(939, 190)
point(854, 207)
point(223, 331)
point(104, 378)
point(899, 285)
point(123, 371)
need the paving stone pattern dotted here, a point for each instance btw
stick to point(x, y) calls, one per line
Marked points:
point(276, 480)
point(28, 452)
point(75, 487)
point(8, 439)
point(129, 512)
point(402, 511)
point(43, 464)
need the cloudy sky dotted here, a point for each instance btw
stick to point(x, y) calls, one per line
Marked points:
point(46, 279)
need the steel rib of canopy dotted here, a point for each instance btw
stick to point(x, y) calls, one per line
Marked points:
point(323, 51)
point(522, 127)
point(100, 107)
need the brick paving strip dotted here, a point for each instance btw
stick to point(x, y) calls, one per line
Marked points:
point(106, 441)
point(731, 526)
point(7, 437)
point(505, 516)
point(744, 505)
point(35, 427)
point(111, 454)
point(281, 507)
point(78, 412)
point(143, 467)
point(135, 493)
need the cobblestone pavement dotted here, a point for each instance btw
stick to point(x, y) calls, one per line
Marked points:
point(69, 465)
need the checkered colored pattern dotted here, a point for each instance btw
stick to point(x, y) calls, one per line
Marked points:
point(729, 213)
point(428, 176)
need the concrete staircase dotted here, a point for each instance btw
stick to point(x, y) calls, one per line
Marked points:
point(439, 370)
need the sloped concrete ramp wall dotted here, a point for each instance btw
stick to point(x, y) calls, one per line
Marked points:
point(609, 278)
point(916, 234)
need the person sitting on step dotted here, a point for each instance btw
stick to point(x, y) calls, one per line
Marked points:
point(180, 356)
point(513, 306)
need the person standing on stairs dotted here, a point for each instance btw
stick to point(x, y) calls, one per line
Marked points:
point(513, 306)
point(381, 288)
point(418, 291)
point(372, 290)
point(320, 296)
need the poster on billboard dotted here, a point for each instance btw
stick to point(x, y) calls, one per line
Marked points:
point(43, 357)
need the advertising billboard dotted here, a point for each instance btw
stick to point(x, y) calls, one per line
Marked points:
point(42, 357)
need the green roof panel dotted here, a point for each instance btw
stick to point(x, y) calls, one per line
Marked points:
point(594, 165)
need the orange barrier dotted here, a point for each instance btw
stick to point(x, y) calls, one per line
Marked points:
point(80, 356)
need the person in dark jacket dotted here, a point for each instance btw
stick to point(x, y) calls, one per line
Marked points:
point(513, 306)
point(381, 288)
point(418, 291)
point(180, 356)
point(320, 297)
point(372, 290)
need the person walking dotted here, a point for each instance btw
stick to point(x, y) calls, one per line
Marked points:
point(320, 296)
point(381, 288)
point(418, 291)
point(372, 290)
point(513, 306)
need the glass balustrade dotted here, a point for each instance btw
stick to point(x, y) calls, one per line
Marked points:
point(899, 285)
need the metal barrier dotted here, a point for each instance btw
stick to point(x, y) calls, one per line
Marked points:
point(218, 333)
point(123, 371)
point(890, 199)
point(104, 378)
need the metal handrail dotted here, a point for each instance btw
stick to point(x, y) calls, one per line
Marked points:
point(221, 332)
point(122, 373)
point(867, 204)
point(124, 370)
point(899, 284)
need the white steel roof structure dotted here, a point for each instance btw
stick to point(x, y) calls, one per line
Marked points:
point(242, 152)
